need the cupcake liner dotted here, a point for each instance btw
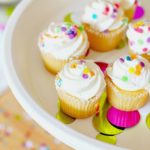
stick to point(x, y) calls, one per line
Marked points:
point(53, 64)
point(105, 41)
point(76, 108)
point(123, 119)
point(125, 100)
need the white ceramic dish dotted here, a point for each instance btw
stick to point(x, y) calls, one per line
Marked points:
point(33, 86)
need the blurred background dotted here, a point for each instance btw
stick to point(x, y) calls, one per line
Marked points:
point(17, 130)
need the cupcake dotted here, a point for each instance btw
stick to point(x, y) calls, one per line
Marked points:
point(79, 86)
point(139, 38)
point(128, 7)
point(105, 25)
point(128, 83)
point(62, 42)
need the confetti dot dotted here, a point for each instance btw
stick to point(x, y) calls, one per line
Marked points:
point(145, 49)
point(131, 43)
point(57, 30)
point(92, 73)
point(8, 131)
point(59, 82)
point(133, 56)
point(128, 58)
point(148, 40)
point(82, 61)
point(18, 117)
point(140, 42)
point(28, 144)
point(63, 28)
point(85, 76)
point(148, 120)
point(44, 147)
point(2, 126)
point(94, 16)
point(74, 65)
point(121, 60)
point(86, 70)
point(142, 64)
point(125, 78)
point(139, 30)
point(138, 70)
point(9, 11)
point(131, 70)
point(138, 24)
point(2, 27)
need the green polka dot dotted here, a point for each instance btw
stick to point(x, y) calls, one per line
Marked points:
point(108, 139)
point(125, 21)
point(9, 10)
point(125, 78)
point(68, 18)
point(100, 122)
point(57, 29)
point(140, 42)
point(81, 28)
point(62, 117)
point(148, 120)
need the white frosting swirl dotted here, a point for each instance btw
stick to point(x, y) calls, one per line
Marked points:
point(64, 41)
point(103, 15)
point(139, 37)
point(82, 79)
point(130, 74)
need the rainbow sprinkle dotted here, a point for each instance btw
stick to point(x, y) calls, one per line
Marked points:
point(86, 72)
point(69, 29)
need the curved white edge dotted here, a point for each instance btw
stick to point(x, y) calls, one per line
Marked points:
point(49, 123)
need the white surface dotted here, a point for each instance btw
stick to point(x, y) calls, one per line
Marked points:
point(34, 87)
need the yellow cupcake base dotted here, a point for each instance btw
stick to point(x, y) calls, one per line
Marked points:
point(103, 42)
point(125, 100)
point(76, 108)
point(54, 65)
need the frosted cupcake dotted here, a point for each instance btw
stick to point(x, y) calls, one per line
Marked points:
point(60, 43)
point(79, 86)
point(128, 83)
point(105, 25)
point(139, 38)
point(127, 5)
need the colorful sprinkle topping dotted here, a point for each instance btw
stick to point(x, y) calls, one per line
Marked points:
point(136, 70)
point(58, 81)
point(69, 29)
point(128, 58)
point(125, 78)
point(94, 16)
point(83, 68)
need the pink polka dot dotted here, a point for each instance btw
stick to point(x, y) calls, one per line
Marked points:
point(145, 49)
point(139, 30)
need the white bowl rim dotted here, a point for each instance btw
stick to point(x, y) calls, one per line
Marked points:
point(55, 128)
